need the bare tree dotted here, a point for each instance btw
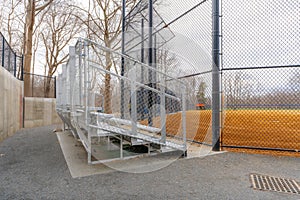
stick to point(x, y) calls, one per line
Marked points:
point(60, 27)
point(233, 88)
point(33, 9)
point(103, 20)
point(201, 96)
point(12, 25)
point(11, 22)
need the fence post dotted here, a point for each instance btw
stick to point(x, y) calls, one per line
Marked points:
point(55, 87)
point(150, 57)
point(3, 49)
point(216, 107)
point(142, 50)
point(15, 65)
point(123, 59)
point(150, 50)
point(22, 69)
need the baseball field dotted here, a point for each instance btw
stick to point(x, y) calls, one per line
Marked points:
point(252, 128)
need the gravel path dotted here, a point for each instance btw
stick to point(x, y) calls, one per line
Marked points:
point(32, 166)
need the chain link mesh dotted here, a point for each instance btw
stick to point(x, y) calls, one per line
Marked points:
point(260, 72)
point(261, 68)
point(181, 49)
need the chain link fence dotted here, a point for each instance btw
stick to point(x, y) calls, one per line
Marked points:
point(42, 86)
point(260, 62)
point(10, 60)
point(261, 75)
point(169, 40)
point(260, 68)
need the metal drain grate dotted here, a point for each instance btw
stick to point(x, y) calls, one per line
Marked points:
point(269, 183)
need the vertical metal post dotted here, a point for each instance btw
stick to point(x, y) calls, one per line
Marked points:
point(88, 106)
point(142, 50)
point(154, 59)
point(123, 59)
point(142, 67)
point(3, 49)
point(15, 65)
point(133, 101)
point(55, 87)
point(85, 85)
point(184, 89)
point(216, 93)
point(22, 68)
point(9, 60)
point(163, 117)
point(150, 49)
point(72, 74)
point(86, 97)
point(23, 111)
point(150, 59)
point(121, 147)
point(80, 72)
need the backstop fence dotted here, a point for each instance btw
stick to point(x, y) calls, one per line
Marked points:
point(175, 37)
point(10, 60)
point(259, 65)
point(239, 63)
point(261, 74)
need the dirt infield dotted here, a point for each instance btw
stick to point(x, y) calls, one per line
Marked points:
point(262, 128)
point(254, 128)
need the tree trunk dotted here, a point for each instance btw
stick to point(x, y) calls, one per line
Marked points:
point(107, 90)
point(30, 16)
point(107, 95)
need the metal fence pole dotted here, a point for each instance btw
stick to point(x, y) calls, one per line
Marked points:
point(3, 48)
point(216, 97)
point(72, 74)
point(22, 68)
point(80, 72)
point(133, 100)
point(85, 80)
point(123, 59)
point(150, 57)
point(142, 50)
point(150, 49)
point(15, 65)
point(55, 87)
point(154, 58)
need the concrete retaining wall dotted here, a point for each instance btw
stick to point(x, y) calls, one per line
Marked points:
point(40, 112)
point(11, 104)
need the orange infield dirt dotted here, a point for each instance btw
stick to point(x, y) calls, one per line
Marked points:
point(253, 128)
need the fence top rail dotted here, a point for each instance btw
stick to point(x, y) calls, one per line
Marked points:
point(260, 67)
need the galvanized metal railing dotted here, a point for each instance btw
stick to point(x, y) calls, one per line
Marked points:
point(89, 101)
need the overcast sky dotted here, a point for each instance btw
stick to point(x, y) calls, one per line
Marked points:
point(255, 33)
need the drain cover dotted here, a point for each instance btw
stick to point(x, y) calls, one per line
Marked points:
point(269, 183)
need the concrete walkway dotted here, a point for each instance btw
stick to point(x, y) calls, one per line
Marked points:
point(32, 166)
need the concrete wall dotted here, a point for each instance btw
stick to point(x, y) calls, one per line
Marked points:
point(11, 104)
point(39, 112)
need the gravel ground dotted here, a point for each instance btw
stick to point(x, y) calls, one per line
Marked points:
point(32, 166)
